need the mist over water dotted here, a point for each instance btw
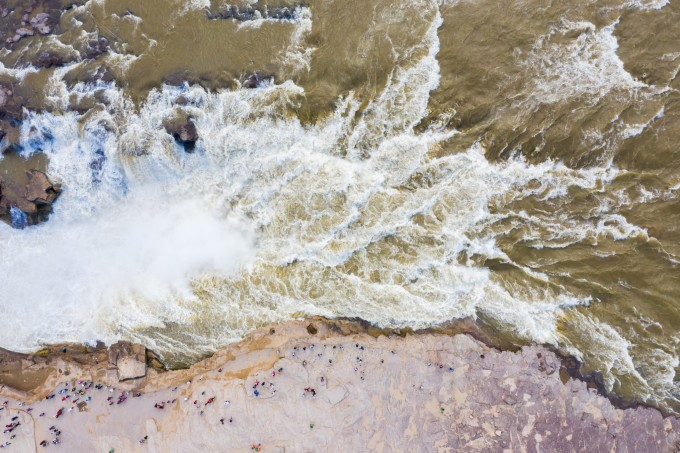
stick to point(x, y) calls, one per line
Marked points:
point(400, 166)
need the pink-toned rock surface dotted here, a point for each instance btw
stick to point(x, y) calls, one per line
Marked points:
point(289, 390)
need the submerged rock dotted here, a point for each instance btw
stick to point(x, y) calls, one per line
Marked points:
point(23, 206)
point(129, 360)
point(96, 47)
point(51, 59)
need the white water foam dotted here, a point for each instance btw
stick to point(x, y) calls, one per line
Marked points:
point(646, 5)
point(132, 264)
point(270, 218)
point(586, 67)
point(298, 57)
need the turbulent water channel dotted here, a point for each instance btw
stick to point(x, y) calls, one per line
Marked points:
point(405, 162)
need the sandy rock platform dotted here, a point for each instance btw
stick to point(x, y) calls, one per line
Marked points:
point(284, 389)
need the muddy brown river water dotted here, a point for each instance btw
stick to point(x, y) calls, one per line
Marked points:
point(405, 162)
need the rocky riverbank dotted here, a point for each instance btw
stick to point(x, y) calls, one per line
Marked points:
point(317, 385)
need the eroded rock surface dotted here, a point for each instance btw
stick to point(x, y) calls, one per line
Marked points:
point(129, 360)
point(286, 389)
point(29, 204)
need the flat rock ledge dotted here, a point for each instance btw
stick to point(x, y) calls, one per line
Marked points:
point(128, 359)
point(307, 386)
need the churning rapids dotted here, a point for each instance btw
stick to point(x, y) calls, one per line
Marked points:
point(407, 162)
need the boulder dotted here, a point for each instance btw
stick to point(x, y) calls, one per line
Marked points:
point(129, 360)
point(183, 130)
point(25, 31)
point(39, 189)
point(96, 47)
point(32, 203)
point(51, 59)
point(187, 132)
point(39, 23)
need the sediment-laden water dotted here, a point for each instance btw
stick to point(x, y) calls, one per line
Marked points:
point(406, 162)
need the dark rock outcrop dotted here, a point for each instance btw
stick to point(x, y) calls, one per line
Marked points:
point(254, 80)
point(183, 130)
point(52, 59)
point(23, 206)
point(32, 19)
point(96, 47)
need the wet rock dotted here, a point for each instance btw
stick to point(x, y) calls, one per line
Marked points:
point(23, 206)
point(43, 29)
point(255, 80)
point(39, 23)
point(40, 190)
point(129, 360)
point(176, 79)
point(25, 32)
point(184, 131)
point(96, 47)
point(153, 361)
point(104, 74)
point(40, 18)
point(50, 59)
point(181, 100)
point(188, 133)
